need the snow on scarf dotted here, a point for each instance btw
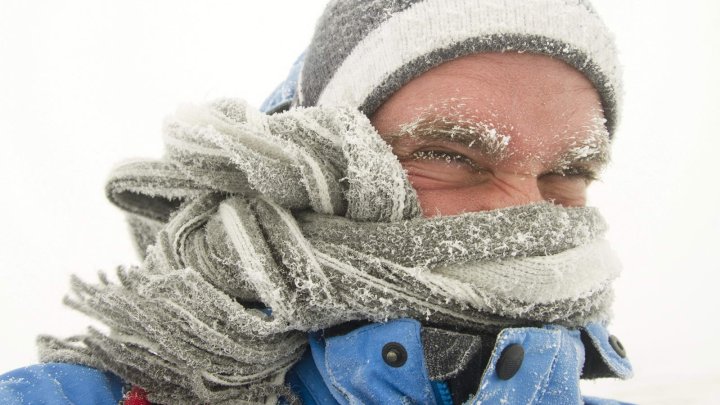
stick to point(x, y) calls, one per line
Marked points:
point(308, 213)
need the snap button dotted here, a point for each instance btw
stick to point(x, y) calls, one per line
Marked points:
point(394, 354)
point(617, 346)
point(510, 361)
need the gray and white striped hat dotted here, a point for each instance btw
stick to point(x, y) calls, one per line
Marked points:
point(365, 50)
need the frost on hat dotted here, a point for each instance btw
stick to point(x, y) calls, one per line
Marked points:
point(365, 50)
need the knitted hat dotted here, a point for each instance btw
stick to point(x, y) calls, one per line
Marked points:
point(365, 50)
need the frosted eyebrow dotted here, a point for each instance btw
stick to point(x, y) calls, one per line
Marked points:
point(593, 149)
point(476, 135)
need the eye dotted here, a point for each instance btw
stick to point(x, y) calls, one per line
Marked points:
point(436, 167)
point(567, 186)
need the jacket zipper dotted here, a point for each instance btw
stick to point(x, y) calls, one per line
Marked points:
point(442, 392)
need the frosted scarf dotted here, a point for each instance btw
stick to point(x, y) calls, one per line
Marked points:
point(257, 229)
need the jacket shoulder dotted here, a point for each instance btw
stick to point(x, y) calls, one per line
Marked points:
point(392, 363)
point(59, 383)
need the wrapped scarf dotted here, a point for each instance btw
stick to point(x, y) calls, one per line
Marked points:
point(256, 229)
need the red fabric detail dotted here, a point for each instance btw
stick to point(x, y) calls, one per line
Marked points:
point(136, 396)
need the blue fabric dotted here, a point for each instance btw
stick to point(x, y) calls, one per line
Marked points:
point(442, 392)
point(349, 369)
point(59, 384)
point(600, 339)
point(550, 371)
point(352, 366)
point(305, 380)
point(285, 92)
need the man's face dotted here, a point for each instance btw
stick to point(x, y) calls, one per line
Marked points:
point(489, 131)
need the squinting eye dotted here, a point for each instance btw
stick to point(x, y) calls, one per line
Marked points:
point(436, 169)
point(567, 186)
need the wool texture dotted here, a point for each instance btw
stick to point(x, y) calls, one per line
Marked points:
point(259, 228)
point(405, 38)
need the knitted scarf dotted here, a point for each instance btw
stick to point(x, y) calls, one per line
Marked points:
point(257, 229)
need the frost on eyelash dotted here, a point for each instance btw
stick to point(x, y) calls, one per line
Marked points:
point(435, 155)
point(455, 124)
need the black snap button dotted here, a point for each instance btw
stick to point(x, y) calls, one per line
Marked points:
point(510, 361)
point(394, 354)
point(617, 346)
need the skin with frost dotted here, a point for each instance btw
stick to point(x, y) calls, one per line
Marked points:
point(490, 131)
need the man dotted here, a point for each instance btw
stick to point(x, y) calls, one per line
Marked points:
point(416, 234)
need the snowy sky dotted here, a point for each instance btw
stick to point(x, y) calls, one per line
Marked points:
point(86, 83)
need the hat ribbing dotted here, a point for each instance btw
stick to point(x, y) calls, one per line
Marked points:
point(364, 51)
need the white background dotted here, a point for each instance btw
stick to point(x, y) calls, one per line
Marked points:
point(85, 84)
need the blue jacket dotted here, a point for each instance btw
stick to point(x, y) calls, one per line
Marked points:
point(384, 364)
point(526, 366)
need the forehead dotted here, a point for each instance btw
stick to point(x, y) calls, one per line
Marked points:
point(530, 97)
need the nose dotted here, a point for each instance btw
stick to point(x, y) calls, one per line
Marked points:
point(513, 189)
